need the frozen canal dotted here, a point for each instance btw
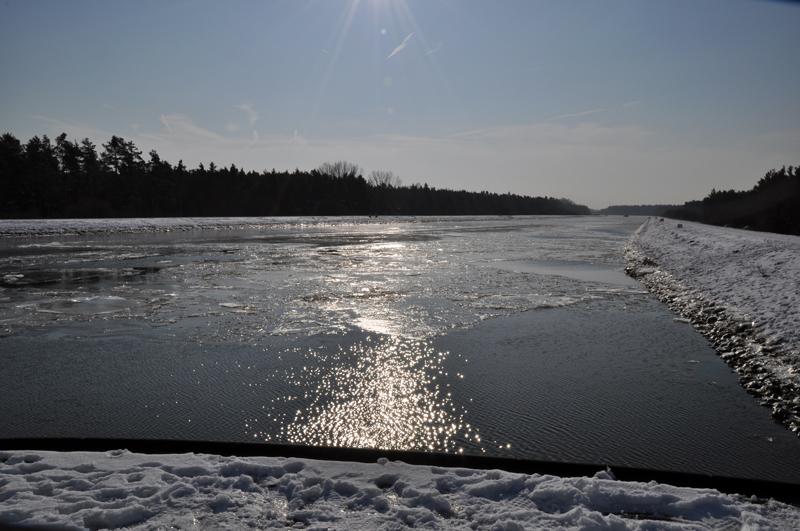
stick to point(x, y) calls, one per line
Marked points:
point(516, 337)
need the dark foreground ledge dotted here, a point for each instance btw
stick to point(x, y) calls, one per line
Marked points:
point(784, 492)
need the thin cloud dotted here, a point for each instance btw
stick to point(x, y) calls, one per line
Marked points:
point(107, 106)
point(160, 139)
point(166, 123)
point(252, 114)
point(297, 139)
point(586, 134)
point(181, 128)
point(402, 45)
point(468, 133)
point(632, 104)
point(572, 115)
point(437, 49)
point(253, 142)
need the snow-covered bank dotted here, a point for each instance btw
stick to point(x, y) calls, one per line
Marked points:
point(85, 490)
point(740, 289)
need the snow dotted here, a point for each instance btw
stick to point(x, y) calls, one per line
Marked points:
point(62, 227)
point(84, 490)
point(41, 227)
point(754, 275)
point(740, 290)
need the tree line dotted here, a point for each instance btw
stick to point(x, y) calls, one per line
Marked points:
point(635, 210)
point(70, 179)
point(772, 205)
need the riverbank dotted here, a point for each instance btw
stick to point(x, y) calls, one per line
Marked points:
point(109, 490)
point(740, 289)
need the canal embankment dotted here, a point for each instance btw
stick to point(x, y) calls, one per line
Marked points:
point(738, 288)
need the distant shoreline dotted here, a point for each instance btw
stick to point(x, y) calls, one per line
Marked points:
point(78, 227)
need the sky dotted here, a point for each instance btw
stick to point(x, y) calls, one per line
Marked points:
point(604, 103)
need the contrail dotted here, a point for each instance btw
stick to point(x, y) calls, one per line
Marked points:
point(403, 45)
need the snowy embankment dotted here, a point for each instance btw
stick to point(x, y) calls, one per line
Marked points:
point(86, 490)
point(741, 290)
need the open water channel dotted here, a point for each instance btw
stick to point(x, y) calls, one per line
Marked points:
point(512, 337)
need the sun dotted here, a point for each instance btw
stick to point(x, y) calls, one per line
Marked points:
point(392, 27)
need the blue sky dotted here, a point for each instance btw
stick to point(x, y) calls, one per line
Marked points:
point(614, 102)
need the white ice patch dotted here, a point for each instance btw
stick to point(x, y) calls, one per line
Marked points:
point(523, 302)
point(379, 326)
point(34, 245)
point(583, 271)
point(303, 326)
point(86, 305)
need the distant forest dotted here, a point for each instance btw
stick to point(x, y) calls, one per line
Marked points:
point(772, 205)
point(69, 179)
point(636, 210)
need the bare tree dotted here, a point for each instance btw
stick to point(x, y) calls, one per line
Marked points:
point(384, 178)
point(340, 169)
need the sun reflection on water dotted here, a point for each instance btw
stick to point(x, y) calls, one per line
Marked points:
point(385, 393)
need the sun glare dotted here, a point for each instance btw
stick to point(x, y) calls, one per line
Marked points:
point(397, 36)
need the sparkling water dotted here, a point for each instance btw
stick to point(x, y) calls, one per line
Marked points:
point(516, 337)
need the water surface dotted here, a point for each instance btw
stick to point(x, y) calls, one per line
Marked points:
point(517, 337)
